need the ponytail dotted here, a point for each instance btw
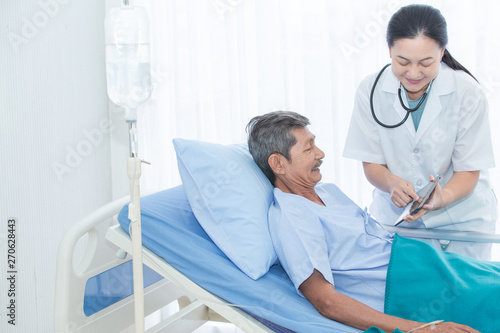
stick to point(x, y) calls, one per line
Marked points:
point(453, 64)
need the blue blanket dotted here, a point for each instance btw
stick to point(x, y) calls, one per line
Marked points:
point(426, 284)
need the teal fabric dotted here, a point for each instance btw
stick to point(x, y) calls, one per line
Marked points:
point(378, 330)
point(417, 114)
point(426, 284)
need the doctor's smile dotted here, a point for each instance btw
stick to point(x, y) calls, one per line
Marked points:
point(414, 81)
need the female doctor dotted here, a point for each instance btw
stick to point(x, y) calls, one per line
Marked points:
point(448, 134)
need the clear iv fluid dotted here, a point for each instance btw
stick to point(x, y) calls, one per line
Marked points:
point(128, 74)
point(128, 58)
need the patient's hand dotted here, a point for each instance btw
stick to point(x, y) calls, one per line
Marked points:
point(446, 327)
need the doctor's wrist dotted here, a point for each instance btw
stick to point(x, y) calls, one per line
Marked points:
point(447, 198)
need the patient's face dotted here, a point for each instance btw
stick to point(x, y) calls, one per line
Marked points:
point(303, 169)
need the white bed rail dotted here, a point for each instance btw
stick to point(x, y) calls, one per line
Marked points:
point(207, 306)
point(449, 235)
point(71, 280)
point(100, 256)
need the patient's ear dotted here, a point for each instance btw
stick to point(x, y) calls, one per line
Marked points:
point(275, 162)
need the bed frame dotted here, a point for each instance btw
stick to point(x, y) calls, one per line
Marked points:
point(207, 307)
point(107, 246)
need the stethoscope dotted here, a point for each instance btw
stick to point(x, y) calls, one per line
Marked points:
point(408, 110)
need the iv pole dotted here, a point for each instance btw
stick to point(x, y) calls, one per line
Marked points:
point(134, 214)
point(127, 32)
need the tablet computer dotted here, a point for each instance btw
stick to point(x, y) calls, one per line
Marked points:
point(424, 193)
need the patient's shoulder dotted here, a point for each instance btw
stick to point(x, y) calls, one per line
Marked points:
point(287, 201)
point(287, 207)
point(329, 188)
point(334, 194)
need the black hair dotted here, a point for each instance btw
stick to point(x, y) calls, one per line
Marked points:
point(422, 20)
point(272, 133)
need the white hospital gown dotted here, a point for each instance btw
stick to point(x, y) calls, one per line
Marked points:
point(340, 240)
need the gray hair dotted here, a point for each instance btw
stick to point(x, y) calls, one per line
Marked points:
point(272, 133)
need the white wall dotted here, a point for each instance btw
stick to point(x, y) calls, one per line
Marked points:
point(55, 147)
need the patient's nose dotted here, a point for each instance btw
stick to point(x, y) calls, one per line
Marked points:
point(319, 154)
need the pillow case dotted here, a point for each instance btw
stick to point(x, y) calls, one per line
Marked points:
point(230, 197)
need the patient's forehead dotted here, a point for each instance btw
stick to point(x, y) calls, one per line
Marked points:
point(302, 136)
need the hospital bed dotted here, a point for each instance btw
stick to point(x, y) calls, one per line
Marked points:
point(191, 266)
point(188, 279)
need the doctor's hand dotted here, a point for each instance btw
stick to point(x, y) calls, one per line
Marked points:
point(402, 193)
point(435, 202)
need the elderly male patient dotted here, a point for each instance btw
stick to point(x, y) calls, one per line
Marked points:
point(333, 252)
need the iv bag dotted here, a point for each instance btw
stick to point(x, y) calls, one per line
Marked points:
point(128, 58)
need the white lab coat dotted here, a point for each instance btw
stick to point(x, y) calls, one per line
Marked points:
point(453, 135)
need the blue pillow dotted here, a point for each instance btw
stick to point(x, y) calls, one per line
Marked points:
point(230, 197)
